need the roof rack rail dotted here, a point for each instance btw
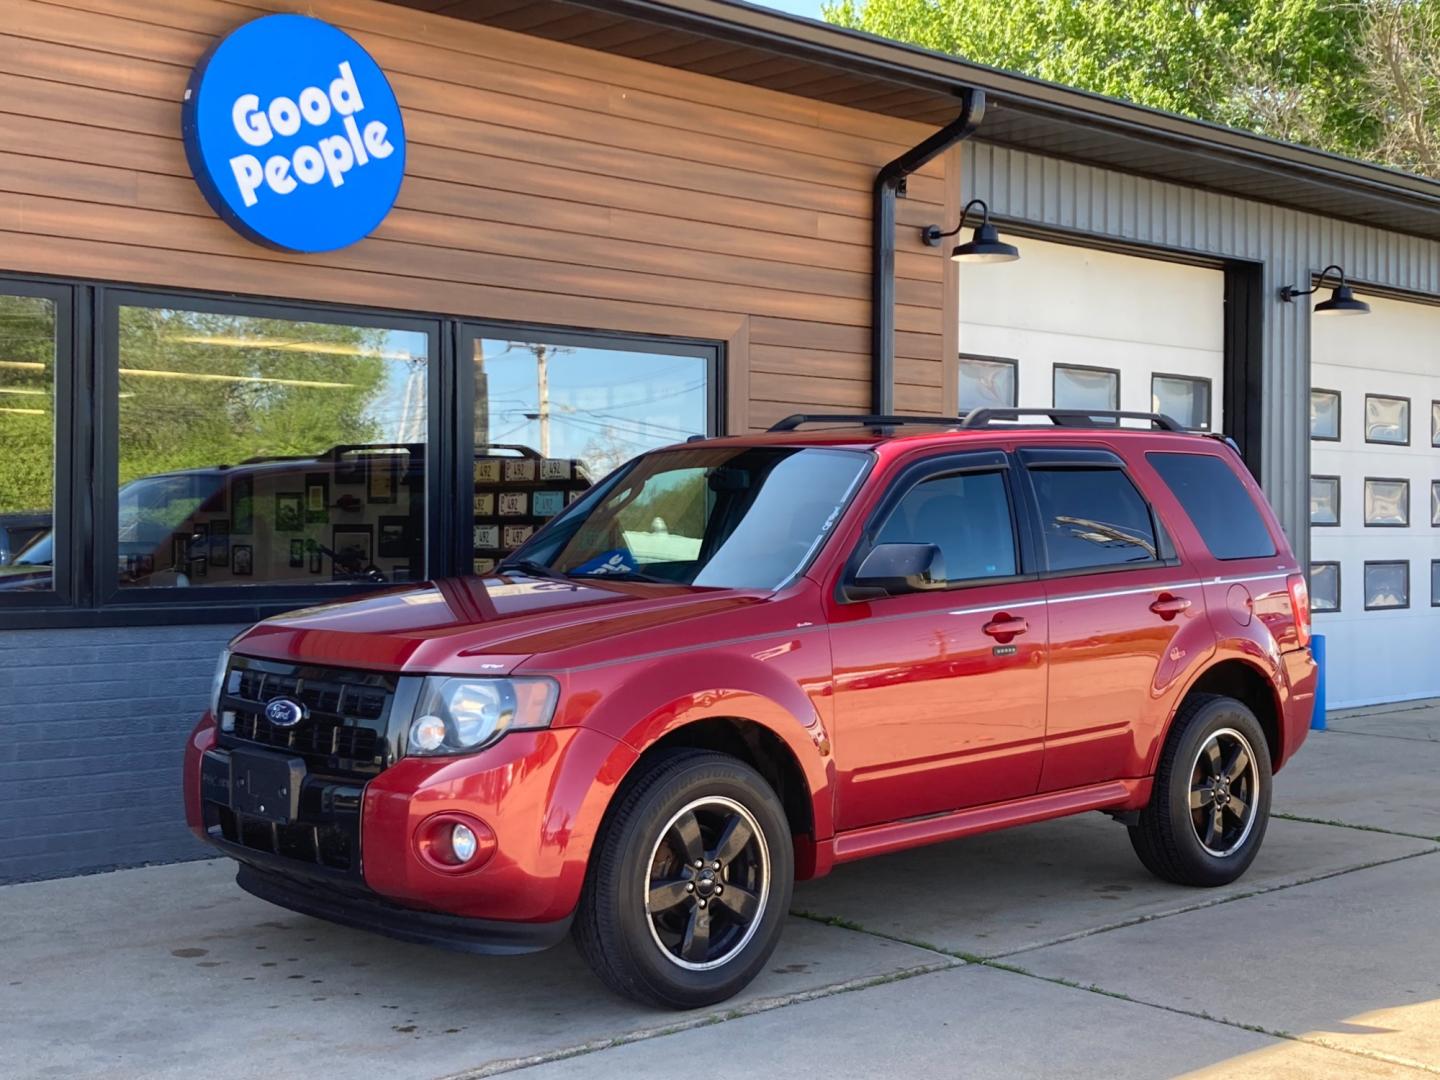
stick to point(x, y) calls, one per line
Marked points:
point(979, 418)
point(793, 421)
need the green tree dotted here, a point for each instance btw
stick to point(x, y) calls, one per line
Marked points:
point(1290, 69)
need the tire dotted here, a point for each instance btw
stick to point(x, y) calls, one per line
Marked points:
point(646, 934)
point(1210, 804)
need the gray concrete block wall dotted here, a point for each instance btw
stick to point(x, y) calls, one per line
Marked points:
point(92, 734)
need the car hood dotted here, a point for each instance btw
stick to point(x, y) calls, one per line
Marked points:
point(475, 625)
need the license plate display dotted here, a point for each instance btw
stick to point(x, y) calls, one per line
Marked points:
point(266, 785)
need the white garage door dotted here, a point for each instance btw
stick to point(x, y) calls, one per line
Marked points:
point(1072, 326)
point(1375, 465)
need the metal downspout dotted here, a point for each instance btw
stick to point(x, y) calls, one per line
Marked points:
point(889, 182)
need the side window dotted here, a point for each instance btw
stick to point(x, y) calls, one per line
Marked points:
point(967, 516)
point(1092, 518)
point(1221, 509)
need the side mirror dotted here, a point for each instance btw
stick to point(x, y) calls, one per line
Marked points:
point(894, 569)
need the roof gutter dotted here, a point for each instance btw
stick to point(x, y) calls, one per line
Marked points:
point(890, 185)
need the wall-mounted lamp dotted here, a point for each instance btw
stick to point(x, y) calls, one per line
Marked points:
point(1342, 298)
point(984, 245)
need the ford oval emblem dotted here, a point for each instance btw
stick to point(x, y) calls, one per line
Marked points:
point(282, 712)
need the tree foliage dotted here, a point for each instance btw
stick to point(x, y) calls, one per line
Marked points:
point(1357, 77)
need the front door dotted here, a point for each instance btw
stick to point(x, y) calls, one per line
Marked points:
point(940, 695)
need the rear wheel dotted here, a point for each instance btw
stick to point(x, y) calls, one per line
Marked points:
point(689, 884)
point(1211, 802)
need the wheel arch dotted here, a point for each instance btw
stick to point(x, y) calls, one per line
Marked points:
point(1246, 682)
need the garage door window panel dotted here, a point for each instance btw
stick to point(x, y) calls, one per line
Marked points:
point(1435, 582)
point(1387, 420)
point(1077, 387)
point(1325, 415)
point(1387, 585)
point(1183, 398)
point(1435, 423)
point(1387, 502)
point(1435, 503)
point(1324, 500)
point(1325, 586)
point(988, 382)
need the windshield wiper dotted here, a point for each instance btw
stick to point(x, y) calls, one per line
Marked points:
point(533, 568)
point(626, 575)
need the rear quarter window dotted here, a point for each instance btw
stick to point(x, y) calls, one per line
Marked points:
point(1218, 504)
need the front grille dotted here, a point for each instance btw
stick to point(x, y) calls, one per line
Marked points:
point(347, 714)
point(330, 844)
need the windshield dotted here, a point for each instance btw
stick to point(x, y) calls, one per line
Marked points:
point(722, 517)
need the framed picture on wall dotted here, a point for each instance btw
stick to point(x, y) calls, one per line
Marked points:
point(198, 551)
point(383, 476)
point(317, 498)
point(289, 511)
point(393, 542)
point(297, 553)
point(353, 546)
point(242, 560)
point(242, 505)
point(316, 557)
point(219, 542)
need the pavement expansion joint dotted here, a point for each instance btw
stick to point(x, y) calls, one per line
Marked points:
point(750, 1008)
point(1349, 825)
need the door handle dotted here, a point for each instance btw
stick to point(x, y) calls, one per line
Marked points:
point(1004, 627)
point(1167, 606)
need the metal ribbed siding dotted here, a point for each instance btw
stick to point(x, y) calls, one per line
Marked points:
point(1051, 193)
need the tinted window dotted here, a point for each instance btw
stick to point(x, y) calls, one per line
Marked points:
point(965, 515)
point(1217, 502)
point(1092, 517)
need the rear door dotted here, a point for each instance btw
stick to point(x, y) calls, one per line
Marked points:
point(940, 695)
point(1127, 614)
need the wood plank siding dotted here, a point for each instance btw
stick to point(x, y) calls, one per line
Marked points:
point(545, 183)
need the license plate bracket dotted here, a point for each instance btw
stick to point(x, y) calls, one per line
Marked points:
point(266, 785)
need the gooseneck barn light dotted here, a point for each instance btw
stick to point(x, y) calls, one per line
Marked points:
point(984, 245)
point(1342, 298)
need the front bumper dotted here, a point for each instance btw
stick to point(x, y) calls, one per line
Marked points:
point(542, 793)
point(365, 910)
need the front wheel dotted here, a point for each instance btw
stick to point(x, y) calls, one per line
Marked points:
point(1211, 801)
point(689, 883)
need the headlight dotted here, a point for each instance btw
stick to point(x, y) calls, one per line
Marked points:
point(460, 716)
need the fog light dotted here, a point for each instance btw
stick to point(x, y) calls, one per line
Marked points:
point(462, 843)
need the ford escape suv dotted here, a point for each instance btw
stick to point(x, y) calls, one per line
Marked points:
point(738, 662)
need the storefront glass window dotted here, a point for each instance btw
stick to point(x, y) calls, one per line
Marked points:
point(27, 434)
point(1086, 388)
point(258, 451)
point(987, 383)
point(1183, 399)
point(552, 417)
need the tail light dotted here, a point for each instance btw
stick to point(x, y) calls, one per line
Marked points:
point(1300, 606)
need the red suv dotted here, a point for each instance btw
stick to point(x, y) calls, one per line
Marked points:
point(738, 662)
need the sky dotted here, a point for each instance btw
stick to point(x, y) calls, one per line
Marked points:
point(808, 8)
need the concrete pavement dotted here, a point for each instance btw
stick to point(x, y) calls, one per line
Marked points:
point(1046, 952)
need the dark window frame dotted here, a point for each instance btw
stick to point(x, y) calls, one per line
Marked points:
point(1012, 362)
point(66, 511)
point(1056, 368)
point(1409, 419)
point(1386, 524)
point(1339, 497)
point(87, 413)
point(1365, 592)
point(1339, 415)
point(1209, 392)
point(1339, 585)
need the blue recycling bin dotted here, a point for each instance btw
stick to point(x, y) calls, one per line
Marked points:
point(1317, 648)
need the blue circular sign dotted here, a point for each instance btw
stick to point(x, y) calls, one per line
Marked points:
point(294, 134)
